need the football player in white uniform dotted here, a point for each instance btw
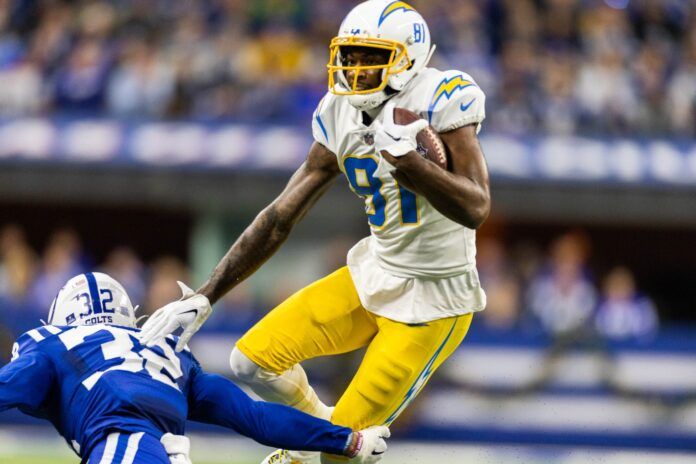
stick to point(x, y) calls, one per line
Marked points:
point(409, 290)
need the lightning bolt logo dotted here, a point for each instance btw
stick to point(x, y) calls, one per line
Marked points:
point(393, 7)
point(421, 380)
point(445, 89)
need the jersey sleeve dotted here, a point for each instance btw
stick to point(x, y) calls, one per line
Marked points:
point(213, 399)
point(27, 379)
point(323, 123)
point(456, 100)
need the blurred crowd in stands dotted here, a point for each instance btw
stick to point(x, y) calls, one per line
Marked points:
point(30, 279)
point(611, 67)
point(555, 291)
point(548, 292)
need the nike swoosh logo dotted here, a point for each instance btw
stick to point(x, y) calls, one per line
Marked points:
point(190, 311)
point(396, 139)
point(464, 107)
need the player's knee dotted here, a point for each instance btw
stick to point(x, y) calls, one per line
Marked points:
point(243, 369)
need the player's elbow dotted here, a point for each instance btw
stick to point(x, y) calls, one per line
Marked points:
point(476, 213)
point(482, 212)
point(478, 219)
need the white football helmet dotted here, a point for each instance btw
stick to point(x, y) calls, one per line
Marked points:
point(388, 25)
point(92, 298)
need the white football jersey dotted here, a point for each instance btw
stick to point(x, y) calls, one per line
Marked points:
point(409, 239)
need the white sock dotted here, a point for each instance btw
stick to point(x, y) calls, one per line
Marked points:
point(291, 387)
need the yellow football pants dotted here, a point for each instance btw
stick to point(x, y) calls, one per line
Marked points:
point(327, 318)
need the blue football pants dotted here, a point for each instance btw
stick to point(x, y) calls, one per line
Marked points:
point(125, 448)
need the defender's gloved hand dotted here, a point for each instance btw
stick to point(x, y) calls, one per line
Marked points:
point(177, 448)
point(368, 445)
point(396, 139)
point(190, 312)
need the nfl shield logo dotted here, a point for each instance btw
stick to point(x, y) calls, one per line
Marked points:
point(369, 138)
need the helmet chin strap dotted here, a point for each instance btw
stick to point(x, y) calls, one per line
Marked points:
point(430, 55)
point(369, 101)
point(373, 112)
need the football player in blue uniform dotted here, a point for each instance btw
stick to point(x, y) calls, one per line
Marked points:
point(115, 400)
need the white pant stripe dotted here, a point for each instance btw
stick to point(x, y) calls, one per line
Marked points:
point(132, 448)
point(110, 448)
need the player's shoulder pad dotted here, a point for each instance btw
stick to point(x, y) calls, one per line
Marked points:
point(454, 100)
point(31, 339)
point(324, 121)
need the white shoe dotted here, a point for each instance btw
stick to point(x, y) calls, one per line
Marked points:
point(278, 457)
point(289, 457)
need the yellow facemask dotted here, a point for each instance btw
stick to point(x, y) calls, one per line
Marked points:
point(398, 62)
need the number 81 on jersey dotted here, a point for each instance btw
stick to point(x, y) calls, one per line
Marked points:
point(360, 170)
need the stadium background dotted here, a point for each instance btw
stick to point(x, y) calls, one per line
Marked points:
point(139, 137)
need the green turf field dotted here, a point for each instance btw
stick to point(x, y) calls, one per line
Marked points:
point(43, 459)
point(21, 445)
point(37, 460)
point(51, 460)
point(41, 445)
point(30, 460)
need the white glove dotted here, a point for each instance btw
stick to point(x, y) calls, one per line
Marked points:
point(190, 312)
point(373, 446)
point(384, 168)
point(177, 448)
point(396, 139)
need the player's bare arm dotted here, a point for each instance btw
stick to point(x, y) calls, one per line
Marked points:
point(254, 247)
point(272, 226)
point(463, 194)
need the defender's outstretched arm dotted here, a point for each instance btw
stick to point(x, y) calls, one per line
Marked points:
point(214, 399)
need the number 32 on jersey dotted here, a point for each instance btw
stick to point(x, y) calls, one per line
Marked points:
point(360, 170)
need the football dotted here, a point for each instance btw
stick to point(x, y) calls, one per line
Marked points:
point(430, 144)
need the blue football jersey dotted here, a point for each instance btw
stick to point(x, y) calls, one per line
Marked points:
point(93, 380)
